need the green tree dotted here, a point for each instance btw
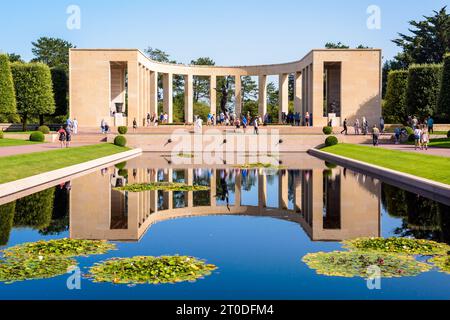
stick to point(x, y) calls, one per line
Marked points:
point(60, 83)
point(249, 88)
point(13, 57)
point(394, 110)
point(202, 84)
point(443, 107)
point(34, 90)
point(6, 222)
point(7, 95)
point(157, 55)
point(423, 89)
point(35, 210)
point(53, 52)
point(339, 45)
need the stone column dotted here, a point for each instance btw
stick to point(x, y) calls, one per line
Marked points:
point(283, 95)
point(154, 92)
point(213, 188)
point(213, 94)
point(188, 99)
point(298, 194)
point(168, 95)
point(133, 92)
point(238, 95)
point(262, 191)
point(283, 190)
point(298, 92)
point(237, 191)
point(190, 181)
point(262, 95)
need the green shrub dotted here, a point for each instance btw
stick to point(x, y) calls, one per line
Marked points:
point(7, 95)
point(1, 134)
point(394, 109)
point(443, 106)
point(44, 129)
point(37, 136)
point(409, 130)
point(448, 134)
point(327, 130)
point(123, 130)
point(331, 141)
point(423, 89)
point(35, 210)
point(412, 137)
point(120, 141)
point(121, 165)
point(34, 90)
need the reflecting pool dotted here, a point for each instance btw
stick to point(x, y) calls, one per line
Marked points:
point(254, 224)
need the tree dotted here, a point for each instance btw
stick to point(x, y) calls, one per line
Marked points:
point(394, 109)
point(7, 95)
point(157, 55)
point(423, 89)
point(34, 90)
point(249, 88)
point(13, 57)
point(202, 84)
point(443, 107)
point(53, 52)
point(6, 221)
point(339, 45)
point(429, 41)
point(60, 90)
point(35, 210)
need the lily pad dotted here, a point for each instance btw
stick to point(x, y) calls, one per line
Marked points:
point(356, 264)
point(259, 165)
point(185, 155)
point(398, 245)
point(33, 268)
point(59, 248)
point(150, 270)
point(442, 262)
point(161, 186)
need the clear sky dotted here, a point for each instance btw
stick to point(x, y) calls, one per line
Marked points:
point(232, 32)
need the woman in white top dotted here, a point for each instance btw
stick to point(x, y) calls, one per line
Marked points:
point(417, 138)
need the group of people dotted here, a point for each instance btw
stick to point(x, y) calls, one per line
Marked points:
point(65, 132)
point(296, 119)
point(360, 127)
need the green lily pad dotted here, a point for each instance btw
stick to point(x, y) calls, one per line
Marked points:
point(33, 268)
point(150, 270)
point(59, 248)
point(442, 262)
point(185, 155)
point(398, 245)
point(161, 186)
point(356, 264)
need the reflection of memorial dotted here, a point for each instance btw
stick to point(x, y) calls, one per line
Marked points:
point(329, 204)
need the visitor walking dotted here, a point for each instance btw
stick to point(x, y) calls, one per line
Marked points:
point(382, 125)
point(397, 134)
point(425, 139)
point(62, 136)
point(345, 127)
point(307, 119)
point(365, 126)
point(430, 124)
point(417, 138)
point(75, 126)
point(149, 118)
point(256, 125)
point(356, 127)
point(414, 123)
point(135, 125)
point(68, 136)
point(375, 135)
point(103, 126)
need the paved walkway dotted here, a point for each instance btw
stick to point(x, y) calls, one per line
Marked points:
point(32, 148)
point(443, 152)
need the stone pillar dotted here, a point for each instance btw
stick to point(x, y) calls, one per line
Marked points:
point(283, 95)
point(213, 188)
point(310, 90)
point(213, 94)
point(262, 191)
point(283, 190)
point(133, 92)
point(154, 92)
point(237, 190)
point(238, 95)
point(298, 92)
point(188, 99)
point(190, 181)
point(147, 95)
point(262, 95)
point(168, 95)
point(298, 194)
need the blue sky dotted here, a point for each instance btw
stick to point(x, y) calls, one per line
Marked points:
point(232, 32)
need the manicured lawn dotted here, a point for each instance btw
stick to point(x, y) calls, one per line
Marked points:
point(26, 165)
point(440, 143)
point(15, 142)
point(426, 166)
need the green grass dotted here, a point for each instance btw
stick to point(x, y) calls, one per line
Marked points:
point(15, 142)
point(26, 165)
point(18, 132)
point(421, 165)
point(440, 143)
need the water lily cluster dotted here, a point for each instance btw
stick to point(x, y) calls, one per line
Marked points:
point(162, 186)
point(395, 257)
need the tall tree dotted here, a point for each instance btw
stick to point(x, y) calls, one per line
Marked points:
point(60, 89)
point(7, 95)
point(53, 52)
point(14, 57)
point(202, 84)
point(249, 89)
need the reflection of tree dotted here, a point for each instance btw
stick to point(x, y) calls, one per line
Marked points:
point(249, 179)
point(6, 221)
point(61, 211)
point(422, 218)
point(36, 210)
point(179, 199)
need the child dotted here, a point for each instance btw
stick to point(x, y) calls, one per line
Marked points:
point(425, 138)
point(417, 135)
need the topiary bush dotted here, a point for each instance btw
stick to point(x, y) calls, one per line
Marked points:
point(123, 130)
point(327, 130)
point(394, 109)
point(37, 137)
point(331, 141)
point(7, 94)
point(443, 106)
point(120, 141)
point(44, 129)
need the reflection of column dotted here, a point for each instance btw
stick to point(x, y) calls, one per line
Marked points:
point(190, 181)
point(154, 194)
point(188, 99)
point(213, 188)
point(168, 95)
point(237, 191)
point(238, 95)
point(283, 95)
point(154, 92)
point(283, 190)
point(298, 193)
point(262, 95)
point(170, 180)
point(298, 92)
point(213, 94)
point(262, 191)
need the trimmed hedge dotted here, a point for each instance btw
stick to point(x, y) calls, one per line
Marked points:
point(34, 90)
point(331, 141)
point(120, 141)
point(327, 130)
point(395, 110)
point(60, 82)
point(35, 211)
point(443, 107)
point(37, 136)
point(7, 94)
point(123, 130)
point(44, 129)
point(423, 89)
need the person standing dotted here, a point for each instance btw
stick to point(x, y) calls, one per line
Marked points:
point(375, 135)
point(103, 125)
point(430, 124)
point(414, 123)
point(62, 136)
point(135, 125)
point(256, 125)
point(397, 133)
point(382, 125)
point(345, 127)
point(68, 136)
point(417, 138)
point(425, 139)
point(307, 119)
point(356, 127)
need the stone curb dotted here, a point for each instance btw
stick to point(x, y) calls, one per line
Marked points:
point(13, 187)
point(423, 184)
